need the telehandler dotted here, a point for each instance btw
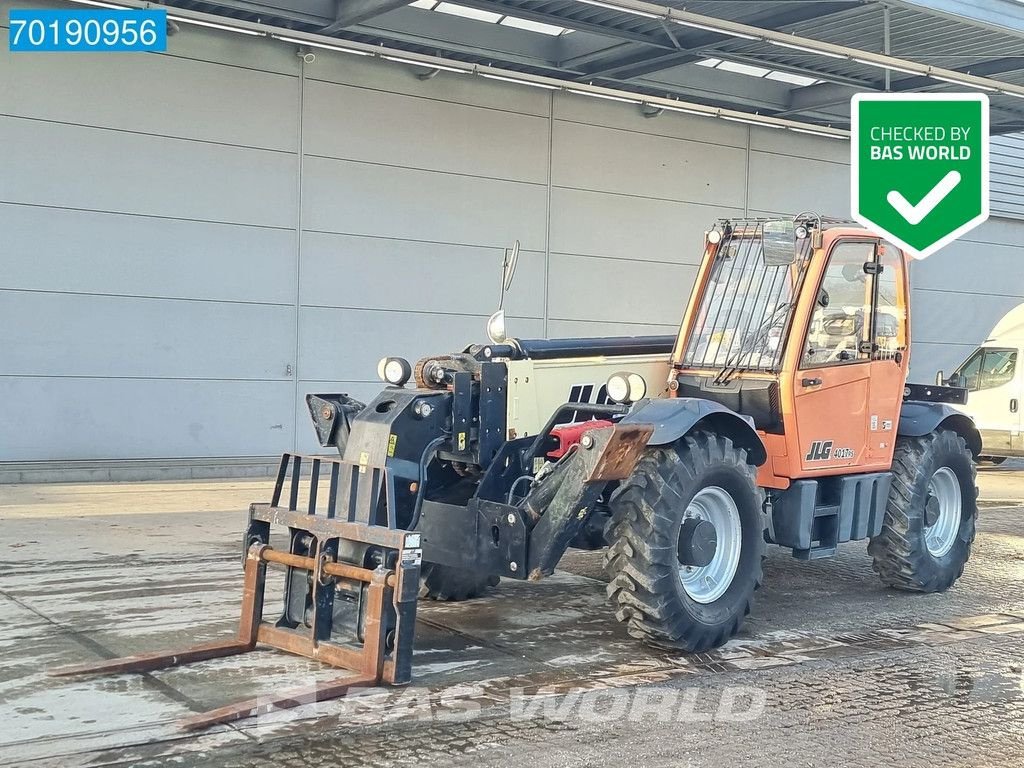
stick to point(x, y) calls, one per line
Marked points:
point(779, 414)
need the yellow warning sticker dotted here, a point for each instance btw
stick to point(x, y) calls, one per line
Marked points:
point(462, 441)
point(392, 444)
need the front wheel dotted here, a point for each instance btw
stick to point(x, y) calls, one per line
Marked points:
point(686, 539)
point(930, 519)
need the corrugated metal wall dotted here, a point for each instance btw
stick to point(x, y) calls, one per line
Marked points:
point(193, 241)
point(1006, 163)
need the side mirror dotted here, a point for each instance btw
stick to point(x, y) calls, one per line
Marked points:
point(779, 243)
point(939, 379)
point(954, 380)
point(496, 323)
point(508, 269)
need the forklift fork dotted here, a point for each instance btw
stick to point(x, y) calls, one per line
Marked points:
point(379, 651)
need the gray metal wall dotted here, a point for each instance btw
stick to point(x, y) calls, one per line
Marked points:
point(193, 241)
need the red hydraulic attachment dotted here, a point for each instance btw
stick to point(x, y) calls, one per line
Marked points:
point(570, 435)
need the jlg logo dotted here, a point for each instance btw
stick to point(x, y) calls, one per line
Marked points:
point(820, 451)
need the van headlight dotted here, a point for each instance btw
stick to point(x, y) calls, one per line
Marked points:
point(626, 387)
point(394, 370)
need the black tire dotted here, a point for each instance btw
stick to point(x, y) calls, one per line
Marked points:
point(642, 560)
point(900, 552)
point(442, 582)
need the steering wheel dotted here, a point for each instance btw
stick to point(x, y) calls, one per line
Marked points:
point(836, 324)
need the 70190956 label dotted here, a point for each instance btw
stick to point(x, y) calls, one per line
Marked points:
point(87, 30)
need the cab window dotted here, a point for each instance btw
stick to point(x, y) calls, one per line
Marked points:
point(988, 368)
point(842, 312)
point(890, 327)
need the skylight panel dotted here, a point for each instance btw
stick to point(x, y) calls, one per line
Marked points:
point(468, 13)
point(532, 26)
point(743, 69)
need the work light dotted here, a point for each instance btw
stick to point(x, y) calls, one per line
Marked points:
point(626, 387)
point(394, 370)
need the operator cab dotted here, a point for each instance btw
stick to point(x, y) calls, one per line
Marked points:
point(801, 324)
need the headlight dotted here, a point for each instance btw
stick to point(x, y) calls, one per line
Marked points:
point(496, 327)
point(626, 387)
point(714, 237)
point(394, 370)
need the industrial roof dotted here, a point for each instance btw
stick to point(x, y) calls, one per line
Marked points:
point(611, 43)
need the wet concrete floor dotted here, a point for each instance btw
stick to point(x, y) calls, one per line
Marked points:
point(831, 666)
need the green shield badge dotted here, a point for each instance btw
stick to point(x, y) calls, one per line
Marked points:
point(919, 166)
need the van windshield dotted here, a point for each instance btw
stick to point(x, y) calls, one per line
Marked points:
point(987, 368)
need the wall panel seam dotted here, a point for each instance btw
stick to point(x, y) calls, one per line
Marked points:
point(431, 312)
point(633, 260)
point(140, 377)
point(169, 137)
point(434, 99)
point(717, 206)
point(57, 292)
point(547, 213)
point(969, 293)
point(837, 163)
point(420, 169)
point(298, 252)
point(604, 126)
point(148, 215)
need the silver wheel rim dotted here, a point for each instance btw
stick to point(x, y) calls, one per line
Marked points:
point(941, 535)
point(705, 584)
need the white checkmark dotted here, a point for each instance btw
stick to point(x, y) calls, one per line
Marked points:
point(916, 213)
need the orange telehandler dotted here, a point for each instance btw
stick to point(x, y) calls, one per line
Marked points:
point(779, 414)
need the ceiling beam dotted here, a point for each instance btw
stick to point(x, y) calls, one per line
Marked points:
point(807, 44)
point(643, 64)
point(315, 12)
point(441, 32)
point(659, 40)
point(814, 98)
point(350, 12)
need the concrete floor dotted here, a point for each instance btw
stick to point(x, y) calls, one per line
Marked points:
point(831, 666)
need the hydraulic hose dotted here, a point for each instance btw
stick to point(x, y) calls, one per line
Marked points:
point(425, 458)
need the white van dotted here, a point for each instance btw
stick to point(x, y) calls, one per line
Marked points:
point(995, 383)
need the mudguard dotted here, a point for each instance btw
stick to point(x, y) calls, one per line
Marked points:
point(674, 417)
point(919, 418)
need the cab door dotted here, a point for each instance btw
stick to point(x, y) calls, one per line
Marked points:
point(832, 383)
point(889, 351)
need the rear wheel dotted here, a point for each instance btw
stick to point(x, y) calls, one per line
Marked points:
point(930, 518)
point(442, 582)
point(686, 539)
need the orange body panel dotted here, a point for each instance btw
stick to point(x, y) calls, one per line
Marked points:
point(856, 406)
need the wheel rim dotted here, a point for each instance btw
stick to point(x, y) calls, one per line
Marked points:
point(705, 584)
point(944, 488)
